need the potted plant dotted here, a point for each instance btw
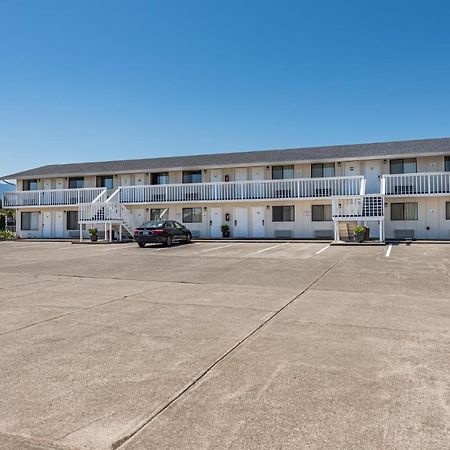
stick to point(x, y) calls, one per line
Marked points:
point(225, 230)
point(93, 234)
point(359, 233)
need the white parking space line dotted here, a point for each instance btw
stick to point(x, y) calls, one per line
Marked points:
point(273, 246)
point(218, 248)
point(323, 249)
point(118, 247)
point(388, 251)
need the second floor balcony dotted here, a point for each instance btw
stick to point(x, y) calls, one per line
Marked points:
point(416, 184)
point(288, 189)
point(50, 197)
point(291, 189)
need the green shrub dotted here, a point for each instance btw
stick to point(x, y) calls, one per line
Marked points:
point(6, 235)
point(359, 230)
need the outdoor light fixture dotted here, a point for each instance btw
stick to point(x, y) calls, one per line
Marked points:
point(384, 161)
point(339, 164)
point(227, 177)
point(267, 167)
point(205, 208)
point(268, 207)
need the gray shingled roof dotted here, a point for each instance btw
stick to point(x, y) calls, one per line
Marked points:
point(307, 154)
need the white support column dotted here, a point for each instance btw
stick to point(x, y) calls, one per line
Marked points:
point(380, 222)
point(81, 232)
point(336, 231)
point(106, 231)
point(120, 232)
point(110, 232)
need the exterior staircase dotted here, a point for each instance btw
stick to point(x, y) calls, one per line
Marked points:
point(347, 231)
point(107, 210)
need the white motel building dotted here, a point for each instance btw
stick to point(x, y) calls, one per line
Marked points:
point(400, 190)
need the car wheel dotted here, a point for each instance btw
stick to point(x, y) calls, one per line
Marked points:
point(188, 238)
point(168, 242)
point(141, 244)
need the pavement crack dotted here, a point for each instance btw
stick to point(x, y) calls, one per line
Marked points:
point(201, 304)
point(78, 310)
point(120, 442)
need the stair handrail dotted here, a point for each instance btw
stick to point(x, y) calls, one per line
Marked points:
point(100, 197)
point(114, 197)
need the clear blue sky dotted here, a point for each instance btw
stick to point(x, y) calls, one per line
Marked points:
point(92, 80)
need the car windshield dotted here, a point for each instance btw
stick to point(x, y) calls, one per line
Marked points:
point(154, 224)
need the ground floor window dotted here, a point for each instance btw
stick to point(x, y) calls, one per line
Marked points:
point(447, 210)
point(321, 213)
point(192, 215)
point(159, 213)
point(72, 220)
point(29, 221)
point(283, 213)
point(404, 211)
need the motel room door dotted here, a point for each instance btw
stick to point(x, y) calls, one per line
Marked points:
point(372, 172)
point(59, 224)
point(215, 222)
point(240, 222)
point(47, 224)
point(258, 221)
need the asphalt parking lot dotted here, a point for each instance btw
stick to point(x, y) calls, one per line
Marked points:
point(224, 345)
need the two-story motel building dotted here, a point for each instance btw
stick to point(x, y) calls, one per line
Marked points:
point(399, 189)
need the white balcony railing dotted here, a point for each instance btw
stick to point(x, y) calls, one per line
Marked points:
point(307, 188)
point(412, 184)
point(369, 206)
point(50, 197)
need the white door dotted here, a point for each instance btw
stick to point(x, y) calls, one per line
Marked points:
point(139, 217)
point(215, 175)
point(47, 224)
point(125, 180)
point(372, 172)
point(258, 173)
point(258, 221)
point(240, 222)
point(47, 184)
point(351, 168)
point(240, 174)
point(59, 224)
point(60, 183)
point(139, 179)
point(215, 222)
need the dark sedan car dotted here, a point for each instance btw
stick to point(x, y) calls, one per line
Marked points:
point(162, 231)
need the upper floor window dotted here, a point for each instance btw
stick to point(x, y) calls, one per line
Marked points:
point(406, 165)
point(160, 178)
point(282, 172)
point(76, 182)
point(30, 185)
point(105, 181)
point(192, 176)
point(323, 170)
point(447, 163)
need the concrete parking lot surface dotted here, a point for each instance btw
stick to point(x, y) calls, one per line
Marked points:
point(224, 345)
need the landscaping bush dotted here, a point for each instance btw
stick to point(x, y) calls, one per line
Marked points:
point(6, 235)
